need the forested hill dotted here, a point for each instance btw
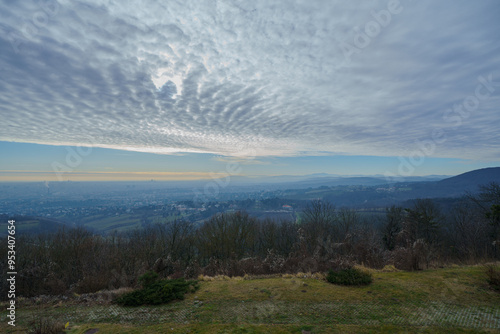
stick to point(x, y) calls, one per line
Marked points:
point(386, 195)
point(460, 184)
point(471, 180)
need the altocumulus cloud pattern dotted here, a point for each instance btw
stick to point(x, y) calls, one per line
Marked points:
point(279, 78)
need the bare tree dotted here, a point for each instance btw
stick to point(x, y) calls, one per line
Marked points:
point(392, 226)
point(319, 224)
point(469, 231)
point(488, 200)
point(347, 220)
point(419, 236)
point(226, 236)
point(175, 238)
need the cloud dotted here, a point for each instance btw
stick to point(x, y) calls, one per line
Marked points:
point(229, 78)
point(34, 176)
point(243, 160)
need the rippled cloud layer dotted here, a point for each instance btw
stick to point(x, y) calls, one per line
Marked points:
point(271, 78)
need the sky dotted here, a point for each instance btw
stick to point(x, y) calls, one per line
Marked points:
point(109, 90)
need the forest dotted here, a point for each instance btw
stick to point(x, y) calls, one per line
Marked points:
point(409, 238)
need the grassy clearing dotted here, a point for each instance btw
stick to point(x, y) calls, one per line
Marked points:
point(460, 285)
point(254, 329)
point(119, 223)
point(28, 226)
point(449, 300)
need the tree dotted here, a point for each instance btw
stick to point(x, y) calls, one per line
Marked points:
point(175, 236)
point(228, 235)
point(393, 223)
point(347, 219)
point(423, 220)
point(319, 225)
point(494, 214)
point(419, 235)
point(488, 200)
point(468, 231)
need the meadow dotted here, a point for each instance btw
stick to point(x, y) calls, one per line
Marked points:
point(456, 299)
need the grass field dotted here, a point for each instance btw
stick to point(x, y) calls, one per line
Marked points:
point(121, 223)
point(118, 223)
point(448, 300)
point(28, 225)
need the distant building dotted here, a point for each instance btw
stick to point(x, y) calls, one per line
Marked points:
point(287, 207)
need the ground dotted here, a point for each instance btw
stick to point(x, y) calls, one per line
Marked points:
point(447, 300)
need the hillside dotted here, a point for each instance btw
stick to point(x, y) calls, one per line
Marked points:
point(382, 195)
point(449, 300)
point(471, 180)
point(455, 186)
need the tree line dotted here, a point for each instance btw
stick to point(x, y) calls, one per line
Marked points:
point(236, 244)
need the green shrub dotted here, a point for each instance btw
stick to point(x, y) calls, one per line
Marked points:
point(158, 292)
point(493, 276)
point(350, 276)
point(148, 278)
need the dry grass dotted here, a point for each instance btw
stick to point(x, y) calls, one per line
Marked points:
point(389, 269)
point(206, 278)
point(256, 329)
point(460, 285)
point(110, 295)
point(438, 300)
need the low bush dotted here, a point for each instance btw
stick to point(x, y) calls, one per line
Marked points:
point(148, 278)
point(493, 276)
point(350, 276)
point(45, 325)
point(156, 292)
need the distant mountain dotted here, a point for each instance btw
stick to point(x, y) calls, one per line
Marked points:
point(454, 186)
point(378, 193)
point(324, 179)
point(340, 181)
point(470, 181)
